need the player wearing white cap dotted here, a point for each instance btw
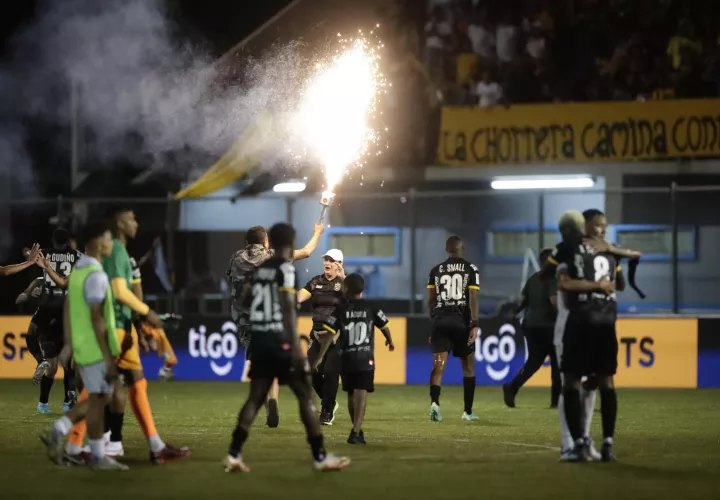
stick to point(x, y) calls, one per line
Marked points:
point(325, 293)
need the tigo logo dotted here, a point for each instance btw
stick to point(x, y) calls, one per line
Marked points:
point(497, 351)
point(221, 348)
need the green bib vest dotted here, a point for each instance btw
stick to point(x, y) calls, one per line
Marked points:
point(86, 349)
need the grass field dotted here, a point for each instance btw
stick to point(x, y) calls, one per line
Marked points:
point(668, 445)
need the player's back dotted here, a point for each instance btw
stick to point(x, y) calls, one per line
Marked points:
point(451, 280)
point(62, 262)
point(357, 338)
point(583, 262)
point(268, 281)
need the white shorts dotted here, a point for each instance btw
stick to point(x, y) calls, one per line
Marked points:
point(93, 377)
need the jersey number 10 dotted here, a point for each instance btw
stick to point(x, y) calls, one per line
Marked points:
point(358, 334)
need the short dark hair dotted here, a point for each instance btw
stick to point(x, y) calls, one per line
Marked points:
point(591, 213)
point(281, 235)
point(60, 237)
point(255, 235)
point(114, 211)
point(355, 283)
point(453, 243)
point(94, 229)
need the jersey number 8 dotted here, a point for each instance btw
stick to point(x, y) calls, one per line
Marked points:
point(452, 287)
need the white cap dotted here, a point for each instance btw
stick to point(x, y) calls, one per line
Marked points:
point(334, 254)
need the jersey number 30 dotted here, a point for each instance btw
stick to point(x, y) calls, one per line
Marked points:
point(452, 287)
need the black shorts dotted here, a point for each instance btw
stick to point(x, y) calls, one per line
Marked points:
point(358, 381)
point(589, 349)
point(49, 327)
point(450, 333)
point(279, 367)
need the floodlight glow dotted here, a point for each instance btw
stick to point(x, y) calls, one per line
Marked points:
point(542, 182)
point(290, 187)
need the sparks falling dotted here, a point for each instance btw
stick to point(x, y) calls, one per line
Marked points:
point(337, 106)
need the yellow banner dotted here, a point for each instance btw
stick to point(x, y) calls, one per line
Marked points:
point(660, 352)
point(15, 360)
point(577, 133)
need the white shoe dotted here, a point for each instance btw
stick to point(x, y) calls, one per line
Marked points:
point(592, 452)
point(106, 437)
point(332, 463)
point(107, 463)
point(114, 449)
point(166, 374)
point(233, 464)
point(567, 455)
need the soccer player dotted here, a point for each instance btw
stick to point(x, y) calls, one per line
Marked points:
point(89, 327)
point(276, 351)
point(241, 266)
point(453, 288)
point(589, 347)
point(57, 264)
point(32, 339)
point(539, 301)
point(152, 338)
point(355, 323)
point(325, 293)
point(119, 270)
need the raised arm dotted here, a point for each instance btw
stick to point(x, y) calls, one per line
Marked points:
point(309, 248)
point(24, 296)
point(16, 268)
point(61, 281)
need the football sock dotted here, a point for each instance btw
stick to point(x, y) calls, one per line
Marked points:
point(97, 448)
point(318, 449)
point(116, 425)
point(141, 408)
point(68, 383)
point(435, 394)
point(239, 437)
point(572, 412)
point(46, 384)
point(77, 434)
point(608, 410)
point(588, 407)
point(63, 425)
point(469, 393)
point(566, 440)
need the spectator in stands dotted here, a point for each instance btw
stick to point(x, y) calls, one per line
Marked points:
point(482, 38)
point(536, 44)
point(684, 46)
point(438, 39)
point(488, 90)
point(506, 37)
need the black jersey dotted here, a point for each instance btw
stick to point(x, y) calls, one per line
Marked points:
point(240, 268)
point(136, 274)
point(326, 296)
point(267, 331)
point(583, 262)
point(451, 280)
point(62, 262)
point(355, 322)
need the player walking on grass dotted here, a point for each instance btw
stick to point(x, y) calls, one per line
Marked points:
point(57, 263)
point(453, 288)
point(119, 270)
point(325, 294)
point(270, 296)
point(355, 322)
point(241, 267)
point(89, 328)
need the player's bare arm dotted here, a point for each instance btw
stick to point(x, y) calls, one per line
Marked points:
point(33, 290)
point(32, 257)
point(303, 296)
point(100, 328)
point(66, 351)
point(388, 338)
point(431, 299)
point(474, 297)
point(309, 248)
point(61, 281)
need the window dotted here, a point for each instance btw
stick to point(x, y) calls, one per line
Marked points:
point(366, 245)
point(656, 241)
point(509, 243)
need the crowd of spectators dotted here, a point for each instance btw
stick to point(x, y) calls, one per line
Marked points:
point(495, 52)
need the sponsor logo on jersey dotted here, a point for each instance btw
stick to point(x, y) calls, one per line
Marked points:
point(221, 347)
